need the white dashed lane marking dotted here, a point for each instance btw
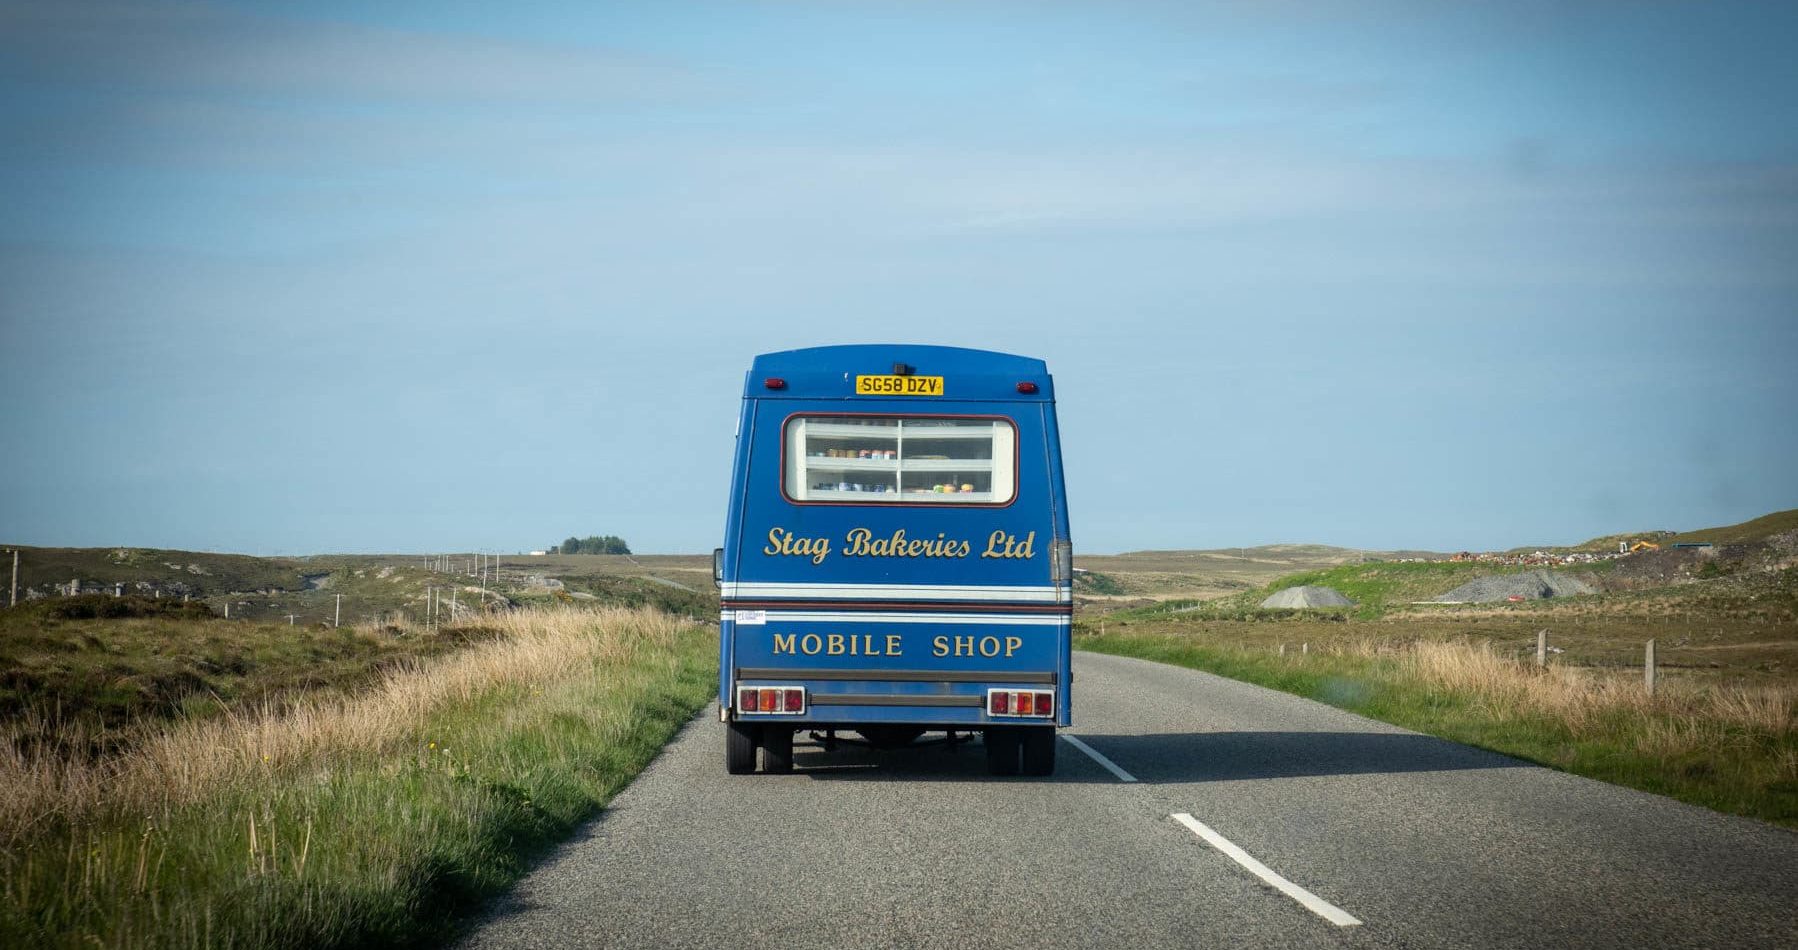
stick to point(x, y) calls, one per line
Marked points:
point(1310, 901)
point(1093, 754)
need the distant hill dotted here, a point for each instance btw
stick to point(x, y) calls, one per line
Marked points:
point(1207, 573)
point(1759, 529)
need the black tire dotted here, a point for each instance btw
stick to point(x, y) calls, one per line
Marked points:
point(1039, 751)
point(739, 748)
point(777, 749)
point(1001, 750)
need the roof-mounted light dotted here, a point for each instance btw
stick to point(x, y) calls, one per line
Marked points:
point(774, 382)
point(1027, 387)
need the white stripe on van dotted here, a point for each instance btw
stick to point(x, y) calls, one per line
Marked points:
point(1045, 595)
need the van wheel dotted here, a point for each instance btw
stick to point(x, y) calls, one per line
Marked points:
point(777, 749)
point(1001, 750)
point(1039, 751)
point(739, 748)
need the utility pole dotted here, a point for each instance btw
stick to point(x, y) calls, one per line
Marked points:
point(15, 578)
point(337, 615)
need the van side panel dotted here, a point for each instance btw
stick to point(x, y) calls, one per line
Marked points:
point(733, 528)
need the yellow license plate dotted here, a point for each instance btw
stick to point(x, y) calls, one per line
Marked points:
point(899, 385)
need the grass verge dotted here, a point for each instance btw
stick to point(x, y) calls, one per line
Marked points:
point(378, 818)
point(1730, 748)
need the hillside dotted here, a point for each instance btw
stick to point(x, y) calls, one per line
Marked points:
point(1759, 529)
point(376, 588)
point(1203, 574)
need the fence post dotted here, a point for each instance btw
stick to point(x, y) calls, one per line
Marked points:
point(337, 614)
point(1542, 648)
point(1648, 668)
point(15, 579)
point(1282, 649)
point(1305, 648)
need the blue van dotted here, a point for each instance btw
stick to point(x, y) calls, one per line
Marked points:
point(896, 558)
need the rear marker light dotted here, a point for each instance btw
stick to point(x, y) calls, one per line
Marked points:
point(774, 382)
point(1027, 388)
point(776, 700)
point(1031, 703)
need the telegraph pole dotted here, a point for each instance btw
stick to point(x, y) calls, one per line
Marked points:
point(337, 615)
point(15, 578)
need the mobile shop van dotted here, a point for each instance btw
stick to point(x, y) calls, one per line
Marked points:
point(896, 557)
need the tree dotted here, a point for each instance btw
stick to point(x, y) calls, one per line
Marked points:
point(594, 544)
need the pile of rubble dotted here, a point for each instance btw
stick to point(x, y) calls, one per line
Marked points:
point(1306, 597)
point(1538, 558)
point(1532, 585)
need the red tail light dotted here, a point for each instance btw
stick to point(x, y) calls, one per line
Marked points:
point(1027, 702)
point(1027, 388)
point(764, 700)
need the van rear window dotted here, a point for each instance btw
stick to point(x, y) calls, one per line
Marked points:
point(931, 460)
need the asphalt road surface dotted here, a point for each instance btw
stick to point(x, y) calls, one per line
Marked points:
point(1369, 836)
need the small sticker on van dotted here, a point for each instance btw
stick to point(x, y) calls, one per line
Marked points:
point(752, 618)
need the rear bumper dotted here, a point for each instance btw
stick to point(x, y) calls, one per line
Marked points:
point(938, 698)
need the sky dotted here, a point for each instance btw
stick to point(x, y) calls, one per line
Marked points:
point(416, 276)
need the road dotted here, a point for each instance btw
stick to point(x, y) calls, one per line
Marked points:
point(1419, 842)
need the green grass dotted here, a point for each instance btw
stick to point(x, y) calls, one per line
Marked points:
point(1093, 582)
point(1375, 587)
point(386, 829)
point(1380, 585)
point(623, 590)
point(1691, 746)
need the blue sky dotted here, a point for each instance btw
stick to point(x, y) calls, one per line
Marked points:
point(432, 276)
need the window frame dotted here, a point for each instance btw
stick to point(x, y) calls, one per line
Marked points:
point(1016, 452)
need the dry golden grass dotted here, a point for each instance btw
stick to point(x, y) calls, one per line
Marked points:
point(1583, 697)
point(1728, 745)
point(190, 760)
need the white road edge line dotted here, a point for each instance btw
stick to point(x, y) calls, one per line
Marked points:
point(1311, 902)
point(1093, 754)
